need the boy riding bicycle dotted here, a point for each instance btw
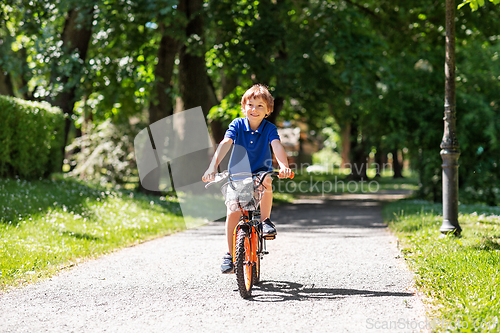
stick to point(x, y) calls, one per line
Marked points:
point(255, 135)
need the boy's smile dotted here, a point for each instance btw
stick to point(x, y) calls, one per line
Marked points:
point(255, 110)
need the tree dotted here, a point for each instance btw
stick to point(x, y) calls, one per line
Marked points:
point(67, 71)
point(193, 80)
point(18, 30)
point(303, 50)
point(161, 101)
point(412, 114)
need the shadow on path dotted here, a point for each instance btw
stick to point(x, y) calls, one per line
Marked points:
point(314, 215)
point(323, 215)
point(281, 291)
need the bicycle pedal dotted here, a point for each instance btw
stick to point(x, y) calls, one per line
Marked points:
point(269, 237)
point(265, 252)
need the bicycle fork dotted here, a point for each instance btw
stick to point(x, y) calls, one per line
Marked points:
point(253, 227)
point(264, 250)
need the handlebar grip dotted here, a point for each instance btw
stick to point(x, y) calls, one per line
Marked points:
point(291, 176)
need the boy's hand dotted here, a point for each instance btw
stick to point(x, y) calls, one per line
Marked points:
point(285, 172)
point(209, 175)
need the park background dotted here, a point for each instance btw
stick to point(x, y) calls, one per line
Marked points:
point(363, 80)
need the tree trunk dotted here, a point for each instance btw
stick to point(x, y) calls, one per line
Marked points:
point(24, 90)
point(346, 145)
point(229, 83)
point(359, 157)
point(379, 163)
point(193, 78)
point(217, 130)
point(278, 106)
point(397, 165)
point(6, 87)
point(194, 85)
point(75, 37)
point(161, 104)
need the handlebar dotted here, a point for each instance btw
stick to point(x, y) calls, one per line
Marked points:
point(274, 173)
point(225, 174)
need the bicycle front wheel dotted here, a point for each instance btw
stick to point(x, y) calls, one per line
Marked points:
point(256, 272)
point(243, 263)
point(256, 259)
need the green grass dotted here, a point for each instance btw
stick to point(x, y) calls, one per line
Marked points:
point(461, 276)
point(46, 225)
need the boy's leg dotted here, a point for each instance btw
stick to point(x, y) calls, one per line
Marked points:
point(266, 204)
point(232, 220)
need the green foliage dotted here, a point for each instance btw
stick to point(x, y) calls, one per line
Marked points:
point(478, 107)
point(115, 80)
point(475, 4)
point(123, 55)
point(229, 108)
point(411, 91)
point(105, 153)
point(31, 138)
point(421, 125)
point(327, 157)
point(376, 66)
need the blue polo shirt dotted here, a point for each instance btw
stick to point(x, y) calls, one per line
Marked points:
point(256, 145)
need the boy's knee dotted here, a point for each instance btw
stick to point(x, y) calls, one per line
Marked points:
point(268, 183)
point(233, 215)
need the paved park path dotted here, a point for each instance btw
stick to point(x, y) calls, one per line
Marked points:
point(334, 267)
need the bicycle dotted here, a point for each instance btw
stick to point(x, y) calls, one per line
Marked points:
point(244, 191)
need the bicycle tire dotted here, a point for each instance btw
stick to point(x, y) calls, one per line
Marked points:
point(256, 255)
point(256, 272)
point(243, 264)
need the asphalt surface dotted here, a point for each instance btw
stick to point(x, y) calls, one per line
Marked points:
point(334, 267)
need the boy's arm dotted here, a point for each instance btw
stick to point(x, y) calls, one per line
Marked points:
point(280, 153)
point(219, 155)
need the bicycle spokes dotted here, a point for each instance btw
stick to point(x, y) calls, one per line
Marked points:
point(243, 262)
point(248, 264)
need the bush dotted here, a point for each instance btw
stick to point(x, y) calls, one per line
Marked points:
point(105, 153)
point(31, 138)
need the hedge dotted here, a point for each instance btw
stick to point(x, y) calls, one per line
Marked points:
point(31, 138)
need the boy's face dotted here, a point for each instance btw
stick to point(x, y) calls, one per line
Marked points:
point(255, 109)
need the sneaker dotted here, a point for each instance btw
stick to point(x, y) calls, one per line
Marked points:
point(268, 228)
point(227, 266)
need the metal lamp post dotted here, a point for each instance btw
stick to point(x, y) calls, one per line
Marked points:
point(450, 151)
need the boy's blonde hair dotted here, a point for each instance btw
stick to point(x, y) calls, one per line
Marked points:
point(258, 91)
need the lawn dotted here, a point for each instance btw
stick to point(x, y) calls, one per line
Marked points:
point(460, 276)
point(46, 225)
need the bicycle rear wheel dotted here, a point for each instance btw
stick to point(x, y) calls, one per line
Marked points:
point(243, 263)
